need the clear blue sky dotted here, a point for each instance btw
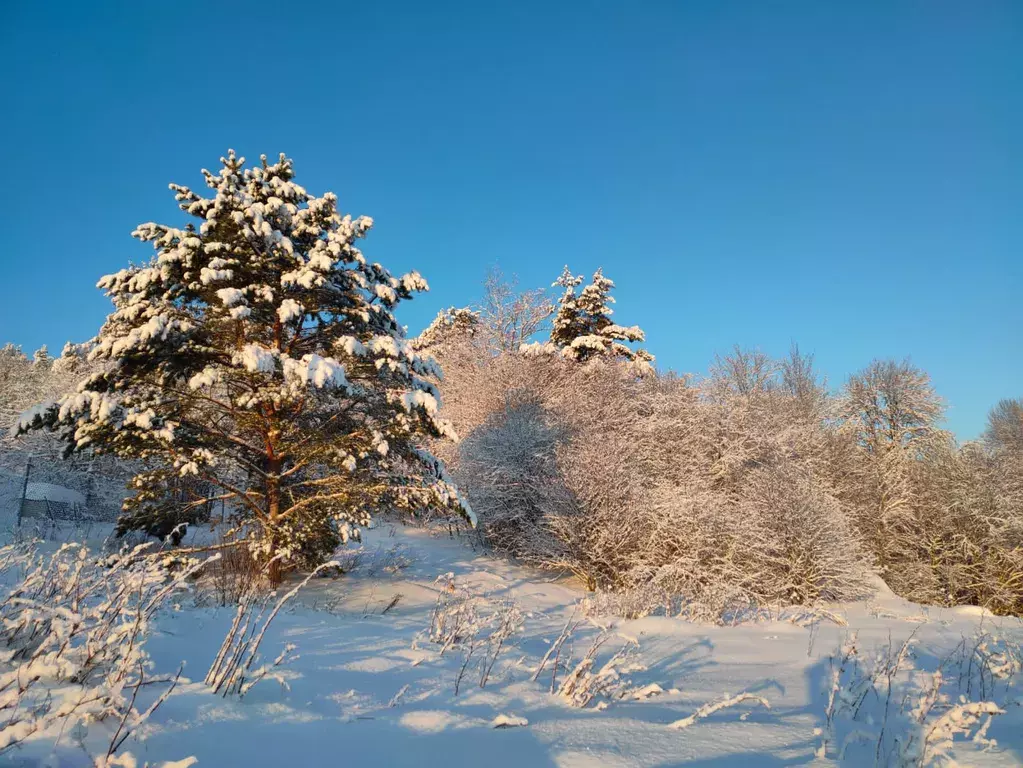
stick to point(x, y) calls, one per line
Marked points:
point(845, 175)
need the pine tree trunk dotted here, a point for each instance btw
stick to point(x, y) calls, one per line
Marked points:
point(274, 465)
point(275, 572)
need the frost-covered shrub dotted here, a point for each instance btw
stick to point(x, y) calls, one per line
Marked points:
point(782, 541)
point(72, 634)
point(549, 468)
point(474, 624)
point(943, 522)
point(238, 665)
point(708, 501)
point(959, 536)
point(234, 575)
point(511, 465)
point(800, 538)
point(882, 706)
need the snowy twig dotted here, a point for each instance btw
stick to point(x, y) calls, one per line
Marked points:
point(716, 706)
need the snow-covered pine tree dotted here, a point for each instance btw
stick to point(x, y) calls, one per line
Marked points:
point(41, 357)
point(259, 352)
point(582, 328)
point(73, 358)
point(449, 324)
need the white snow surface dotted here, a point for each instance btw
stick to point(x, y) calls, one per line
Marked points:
point(369, 689)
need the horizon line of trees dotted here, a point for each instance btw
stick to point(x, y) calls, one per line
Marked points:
point(257, 360)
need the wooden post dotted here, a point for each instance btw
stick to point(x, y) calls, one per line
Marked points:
point(24, 489)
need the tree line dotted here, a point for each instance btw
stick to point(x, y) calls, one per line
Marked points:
point(256, 359)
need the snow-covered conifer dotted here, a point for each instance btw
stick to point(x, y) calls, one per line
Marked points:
point(41, 357)
point(582, 328)
point(259, 352)
point(12, 351)
point(569, 323)
point(449, 324)
point(74, 358)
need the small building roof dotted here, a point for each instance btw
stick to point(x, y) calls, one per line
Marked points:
point(51, 492)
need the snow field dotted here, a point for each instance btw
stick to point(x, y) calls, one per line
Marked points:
point(368, 685)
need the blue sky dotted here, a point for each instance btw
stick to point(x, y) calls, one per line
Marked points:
point(847, 176)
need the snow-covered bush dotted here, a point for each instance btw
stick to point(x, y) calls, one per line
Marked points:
point(238, 665)
point(800, 545)
point(235, 575)
point(882, 705)
point(477, 626)
point(1004, 431)
point(511, 464)
point(546, 464)
point(705, 500)
point(889, 407)
point(72, 633)
point(958, 538)
point(942, 521)
point(585, 682)
point(782, 542)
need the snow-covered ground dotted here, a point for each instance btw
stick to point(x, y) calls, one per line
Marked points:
point(369, 688)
